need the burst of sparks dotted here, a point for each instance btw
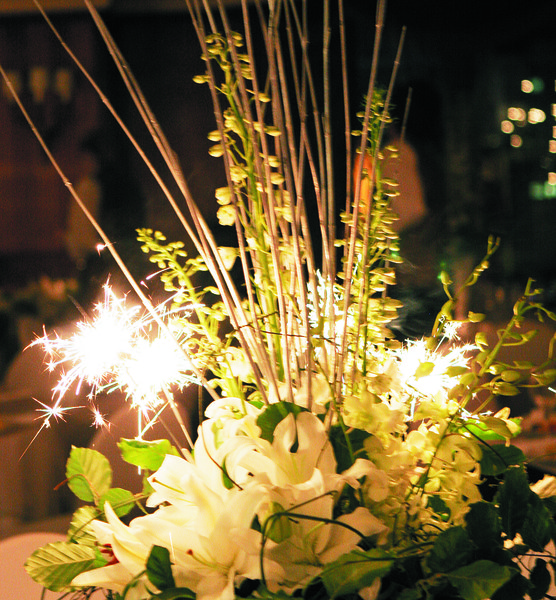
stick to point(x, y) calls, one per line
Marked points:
point(416, 353)
point(118, 348)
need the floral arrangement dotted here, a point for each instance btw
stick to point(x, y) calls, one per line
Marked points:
point(334, 460)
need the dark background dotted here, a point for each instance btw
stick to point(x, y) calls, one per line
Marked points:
point(464, 63)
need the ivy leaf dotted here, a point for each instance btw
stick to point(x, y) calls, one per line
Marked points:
point(122, 501)
point(55, 565)
point(480, 579)
point(452, 549)
point(159, 568)
point(145, 454)
point(513, 498)
point(497, 459)
point(355, 570)
point(89, 474)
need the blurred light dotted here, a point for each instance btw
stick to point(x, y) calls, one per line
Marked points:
point(552, 178)
point(554, 131)
point(516, 114)
point(552, 146)
point(527, 86)
point(554, 110)
point(536, 85)
point(542, 191)
point(508, 126)
point(536, 190)
point(516, 141)
point(549, 190)
point(536, 115)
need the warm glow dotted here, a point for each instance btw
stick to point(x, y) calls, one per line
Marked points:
point(507, 126)
point(552, 146)
point(119, 348)
point(552, 178)
point(516, 141)
point(536, 115)
point(516, 114)
point(416, 354)
point(527, 86)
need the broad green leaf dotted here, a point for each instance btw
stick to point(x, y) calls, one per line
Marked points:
point(483, 525)
point(144, 454)
point(80, 529)
point(342, 451)
point(497, 458)
point(122, 501)
point(55, 565)
point(513, 498)
point(537, 528)
point(355, 571)
point(452, 549)
point(514, 589)
point(273, 414)
point(159, 568)
point(479, 580)
point(89, 474)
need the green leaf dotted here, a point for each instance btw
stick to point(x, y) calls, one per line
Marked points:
point(89, 474)
point(122, 501)
point(55, 565)
point(496, 459)
point(537, 527)
point(159, 568)
point(80, 529)
point(355, 571)
point(273, 414)
point(342, 451)
point(479, 580)
point(483, 525)
point(513, 498)
point(144, 454)
point(452, 549)
point(514, 589)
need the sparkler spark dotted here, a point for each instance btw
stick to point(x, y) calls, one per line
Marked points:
point(119, 348)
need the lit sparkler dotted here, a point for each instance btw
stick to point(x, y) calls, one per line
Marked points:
point(119, 348)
